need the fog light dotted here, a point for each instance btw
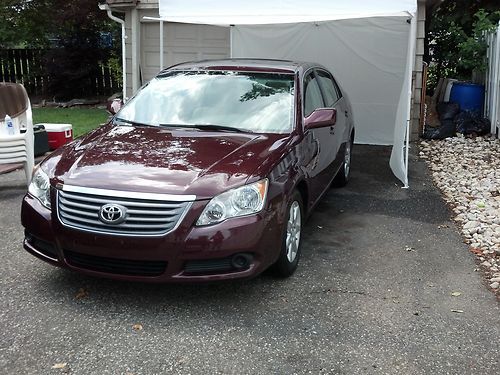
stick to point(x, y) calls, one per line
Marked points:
point(241, 261)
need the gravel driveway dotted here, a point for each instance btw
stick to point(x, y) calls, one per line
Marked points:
point(373, 294)
point(467, 172)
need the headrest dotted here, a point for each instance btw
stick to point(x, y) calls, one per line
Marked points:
point(13, 100)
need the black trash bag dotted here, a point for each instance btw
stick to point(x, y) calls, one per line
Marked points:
point(483, 126)
point(464, 121)
point(447, 110)
point(428, 133)
point(471, 123)
point(446, 130)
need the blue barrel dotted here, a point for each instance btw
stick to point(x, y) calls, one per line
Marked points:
point(470, 96)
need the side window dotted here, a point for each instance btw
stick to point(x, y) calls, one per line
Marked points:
point(339, 91)
point(312, 95)
point(330, 88)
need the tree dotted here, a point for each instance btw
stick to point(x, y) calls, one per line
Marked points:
point(24, 23)
point(455, 40)
point(78, 29)
point(70, 31)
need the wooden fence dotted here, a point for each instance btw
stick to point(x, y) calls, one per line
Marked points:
point(27, 66)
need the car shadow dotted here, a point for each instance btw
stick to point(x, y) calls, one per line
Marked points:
point(88, 294)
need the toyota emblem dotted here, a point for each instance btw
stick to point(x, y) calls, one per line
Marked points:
point(112, 213)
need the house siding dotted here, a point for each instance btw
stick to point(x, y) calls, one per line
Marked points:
point(181, 43)
point(418, 72)
point(148, 4)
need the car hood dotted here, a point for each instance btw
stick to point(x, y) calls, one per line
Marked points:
point(162, 160)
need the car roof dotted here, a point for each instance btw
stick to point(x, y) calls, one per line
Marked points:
point(260, 65)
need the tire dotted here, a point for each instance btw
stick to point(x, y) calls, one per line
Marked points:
point(288, 259)
point(342, 177)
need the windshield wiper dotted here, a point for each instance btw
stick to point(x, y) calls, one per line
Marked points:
point(122, 121)
point(208, 127)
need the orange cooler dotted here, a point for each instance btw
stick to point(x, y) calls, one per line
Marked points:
point(59, 134)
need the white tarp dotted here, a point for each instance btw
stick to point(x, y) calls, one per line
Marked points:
point(355, 51)
point(244, 12)
point(368, 45)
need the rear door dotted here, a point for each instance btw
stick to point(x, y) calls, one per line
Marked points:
point(334, 99)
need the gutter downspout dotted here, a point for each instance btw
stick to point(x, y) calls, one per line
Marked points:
point(124, 52)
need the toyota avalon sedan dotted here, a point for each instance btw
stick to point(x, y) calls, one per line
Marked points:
point(207, 173)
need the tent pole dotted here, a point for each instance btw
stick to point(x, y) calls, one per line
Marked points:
point(496, 88)
point(231, 28)
point(161, 45)
point(407, 152)
point(411, 64)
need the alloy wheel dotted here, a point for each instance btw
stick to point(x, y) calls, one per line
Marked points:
point(293, 231)
point(347, 159)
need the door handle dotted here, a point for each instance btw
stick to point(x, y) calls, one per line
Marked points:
point(346, 114)
point(332, 129)
point(316, 149)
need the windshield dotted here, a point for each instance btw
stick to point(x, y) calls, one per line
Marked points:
point(255, 102)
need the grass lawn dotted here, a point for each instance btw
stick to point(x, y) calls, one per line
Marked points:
point(82, 119)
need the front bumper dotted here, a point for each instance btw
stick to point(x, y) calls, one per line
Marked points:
point(188, 254)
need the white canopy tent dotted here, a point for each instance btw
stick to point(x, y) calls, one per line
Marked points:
point(369, 45)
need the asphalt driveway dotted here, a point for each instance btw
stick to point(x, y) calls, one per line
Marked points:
point(372, 295)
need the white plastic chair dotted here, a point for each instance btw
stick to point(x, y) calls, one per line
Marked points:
point(18, 148)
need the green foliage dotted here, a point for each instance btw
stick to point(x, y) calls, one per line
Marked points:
point(23, 23)
point(461, 12)
point(73, 31)
point(115, 64)
point(456, 42)
point(443, 44)
point(77, 27)
point(473, 49)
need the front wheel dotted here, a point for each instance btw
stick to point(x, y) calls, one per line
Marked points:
point(289, 256)
point(342, 177)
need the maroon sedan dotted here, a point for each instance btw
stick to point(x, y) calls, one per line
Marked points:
point(207, 173)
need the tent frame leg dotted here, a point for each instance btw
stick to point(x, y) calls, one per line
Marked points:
point(407, 152)
point(162, 36)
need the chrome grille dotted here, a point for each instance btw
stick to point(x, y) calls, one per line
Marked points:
point(151, 216)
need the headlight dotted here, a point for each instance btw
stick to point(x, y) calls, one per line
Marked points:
point(246, 200)
point(40, 187)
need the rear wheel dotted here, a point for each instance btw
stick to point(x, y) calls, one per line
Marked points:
point(342, 177)
point(290, 249)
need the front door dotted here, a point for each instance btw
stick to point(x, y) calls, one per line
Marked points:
point(320, 139)
point(334, 99)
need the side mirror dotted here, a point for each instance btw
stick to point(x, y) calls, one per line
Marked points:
point(114, 106)
point(321, 118)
